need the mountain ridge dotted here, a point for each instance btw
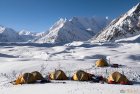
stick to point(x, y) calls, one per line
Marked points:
point(75, 29)
point(127, 25)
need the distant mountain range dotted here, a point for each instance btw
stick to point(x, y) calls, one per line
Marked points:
point(10, 35)
point(64, 30)
point(75, 29)
point(81, 29)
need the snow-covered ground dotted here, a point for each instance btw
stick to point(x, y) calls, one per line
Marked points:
point(19, 58)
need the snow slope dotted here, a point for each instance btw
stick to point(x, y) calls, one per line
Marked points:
point(20, 58)
point(134, 39)
point(125, 26)
point(75, 29)
point(72, 88)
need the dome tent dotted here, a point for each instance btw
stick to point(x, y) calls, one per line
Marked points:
point(58, 75)
point(37, 75)
point(82, 76)
point(101, 63)
point(118, 78)
point(26, 78)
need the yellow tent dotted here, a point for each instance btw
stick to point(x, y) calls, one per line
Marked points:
point(82, 76)
point(101, 63)
point(26, 78)
point(117, 78)
point(37, 75)
point(58, 75)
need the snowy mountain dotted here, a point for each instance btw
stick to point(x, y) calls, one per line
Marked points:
point(9, 35)
point(25, 32)
point(75, 29)
point(38, 36)
point(125, 26)
point(27, 35)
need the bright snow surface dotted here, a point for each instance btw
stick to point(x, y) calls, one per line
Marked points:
point(20, 58)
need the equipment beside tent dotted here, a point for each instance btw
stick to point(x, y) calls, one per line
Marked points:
point(97, 78)
point(82, 76)
point(58, 75)
point(26, 78)
point(117, 78)
point(114, 65)
point(37, 75)
point(101, 63)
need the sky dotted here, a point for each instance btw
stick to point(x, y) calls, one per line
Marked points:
point(40, 15)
